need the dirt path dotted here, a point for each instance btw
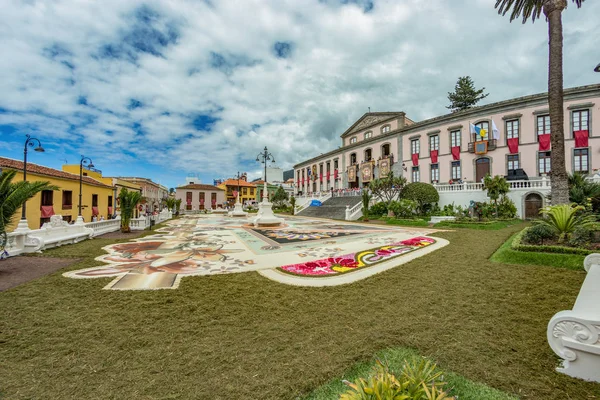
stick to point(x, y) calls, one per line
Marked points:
point(15, 271)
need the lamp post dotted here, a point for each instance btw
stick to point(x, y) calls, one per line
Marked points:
point(88, 163)
point(265, 216)
point(238, 209)
point(263, 157)
point(29, 142)
point(597, 69)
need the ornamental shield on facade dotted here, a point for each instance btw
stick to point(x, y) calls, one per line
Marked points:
point(352, 174)
point(314, 172)
point(366, 171)
point(384, 167)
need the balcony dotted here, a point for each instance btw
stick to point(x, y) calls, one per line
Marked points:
point(491, 145)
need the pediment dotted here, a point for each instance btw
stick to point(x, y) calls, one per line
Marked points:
point(370, 119)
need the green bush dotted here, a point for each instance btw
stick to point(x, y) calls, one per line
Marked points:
point(416, 381)
point(403, 208)
point(518, 245)
point(423, 193)
point(378, 209)
point(564, 219)
point(583, 236)
point(538, 233)
point(506, 208)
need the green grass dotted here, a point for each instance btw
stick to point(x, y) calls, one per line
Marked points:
point(406, 222)
point(242, 336)
point(505, 254)
point(491, 225)
point(456, 385)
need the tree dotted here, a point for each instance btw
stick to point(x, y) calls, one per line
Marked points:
point(584, 192)
point(128, 201)
point(279, 197)
point(496, 187)
point(171, 190)
point(13, 196)
point(177, 206)
point(552, 9)
point(170, 202)
point(293, 204)
point(387, 189)
point(465, 95)
point(423, 193)
point(366, 200)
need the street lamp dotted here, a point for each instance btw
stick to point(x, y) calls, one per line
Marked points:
point(597, 69)
point(88, 163)
point(263, 157)
point(29, 142)
point(265, 216)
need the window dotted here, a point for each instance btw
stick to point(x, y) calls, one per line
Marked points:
point(385, 129)
point(352, 158)
point(110, 203)
point(368, 135)
point(435, 173)
point(353, 140)
point(414, 146)
point(94, 200)
point(244, 191)
point(213, 200)
point(483, 125)
point(251, 191)
point(335, 164)
point(368, 155)
point(47, 198)
point(434, 142)
point(512, 161)
point(67, 199)
point(416, 177)
point(385, 150)
point(580, 161)
point(512, 129)
point(455, 170)
point(455, 139)
point(544, 162)
point(579, 120)
point(543, 125)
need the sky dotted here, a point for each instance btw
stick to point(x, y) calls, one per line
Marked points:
point(163, 89)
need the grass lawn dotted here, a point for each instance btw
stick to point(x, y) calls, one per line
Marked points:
point(493, 225)
point(242, 336)
point(506, 254)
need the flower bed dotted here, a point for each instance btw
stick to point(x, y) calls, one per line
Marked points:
point(519, 245)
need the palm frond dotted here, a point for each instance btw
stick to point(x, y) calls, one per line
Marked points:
point(525, 8)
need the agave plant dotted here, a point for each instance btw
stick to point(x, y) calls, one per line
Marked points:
point(128, 201)
point(565, 218)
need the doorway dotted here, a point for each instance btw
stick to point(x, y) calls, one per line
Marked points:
point(533, 204)
point(482, 168)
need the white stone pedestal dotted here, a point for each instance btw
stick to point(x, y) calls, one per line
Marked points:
point(79, 220)
point(22, 226)
point(238, 211)
point(265, 216)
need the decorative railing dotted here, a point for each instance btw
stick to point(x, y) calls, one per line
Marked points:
point(491, 145)
point(303, 202)
point(102, 227)
point(354, 213)
point(543, 183)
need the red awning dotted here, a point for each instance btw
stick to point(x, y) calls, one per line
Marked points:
point(110, 210)
point(47, 211)
point(95, 211)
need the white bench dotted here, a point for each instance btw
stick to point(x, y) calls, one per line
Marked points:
point(574, 335)
point(440, 218)
point(56, 233)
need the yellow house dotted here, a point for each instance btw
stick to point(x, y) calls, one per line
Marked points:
point(116, 183)
point(231, 187)
point(97, 197)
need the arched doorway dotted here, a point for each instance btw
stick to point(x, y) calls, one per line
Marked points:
point(533, 204)
point(482, 168)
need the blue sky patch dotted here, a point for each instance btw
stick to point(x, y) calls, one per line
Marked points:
point(283, 49)
point(204, 122)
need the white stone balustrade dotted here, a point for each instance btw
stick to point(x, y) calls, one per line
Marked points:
point(574, 335)
point(102, 227)
point(354, 213)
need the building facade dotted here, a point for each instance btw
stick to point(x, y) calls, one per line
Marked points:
point(154, 194)
point(96, 196)
point(510, 138)
point(232, 186)
point(198, 197)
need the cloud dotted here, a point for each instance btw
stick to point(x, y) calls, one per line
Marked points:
point(204, 86)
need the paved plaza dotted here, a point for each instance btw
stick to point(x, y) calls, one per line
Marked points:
point(305, 252)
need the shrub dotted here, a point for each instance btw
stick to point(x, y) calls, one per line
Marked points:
point(538, 233)
point(518, 245)
point(378, 209)
point(484, 210)
point(564, 219)
point(416, 381)
point(403, 208)
point(506, 208)
point(583, 236)
point(366, 200)
point(423, 193)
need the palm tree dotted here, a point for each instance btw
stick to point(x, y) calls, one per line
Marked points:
point(14, 195)
point(128, 201)
point(170, 202)
point(177, 206)
point(553, 11)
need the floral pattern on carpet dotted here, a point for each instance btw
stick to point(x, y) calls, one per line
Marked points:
point(355, 261)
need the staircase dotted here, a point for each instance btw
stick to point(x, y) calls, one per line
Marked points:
point(334, 208)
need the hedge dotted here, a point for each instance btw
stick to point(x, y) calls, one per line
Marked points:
point(518, 245)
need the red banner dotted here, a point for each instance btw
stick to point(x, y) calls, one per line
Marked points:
point(335, 174)
point(47, 211)
point(189, 202)
point(94, 210)
point(513, 145)
point(544, 141)
point(110, 210)
point(321, 178)
point(415, 159)
point(434, 156)
point(328, 175)
point(581, 138)
point(202, 202)
point(455, 153)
